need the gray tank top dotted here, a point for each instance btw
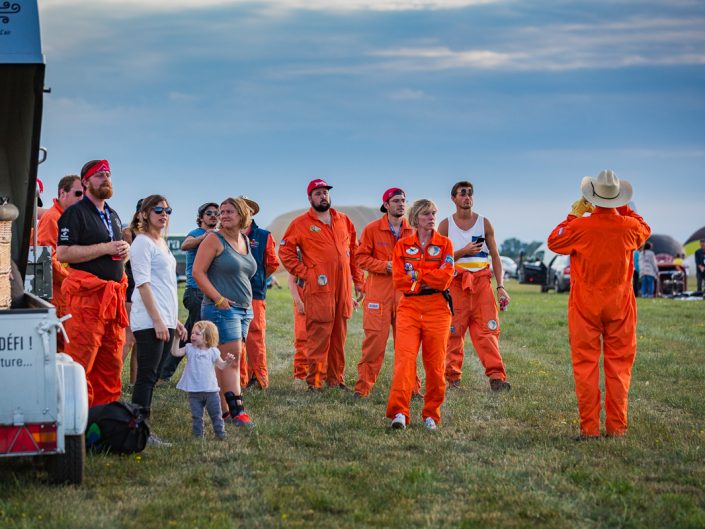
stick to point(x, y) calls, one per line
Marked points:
point(230, 274)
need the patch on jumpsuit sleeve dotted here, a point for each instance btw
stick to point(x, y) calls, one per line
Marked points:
point(452, 329)
point(492, 325)
point(283, 242)
point(323, 280)
point(560, 231)
point(408, 267)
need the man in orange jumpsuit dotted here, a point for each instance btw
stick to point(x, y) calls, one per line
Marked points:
point(300, 362)
point(474, 303)
point(422, 269)
point(262, 247)
point(327, 241)
point(90, 241)
point(601, 307)
point(380, 306)
point(70, 191)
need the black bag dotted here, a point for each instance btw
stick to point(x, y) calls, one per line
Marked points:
point(117, 427)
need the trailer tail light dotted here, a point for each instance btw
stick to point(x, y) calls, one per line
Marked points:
point(28, 438)
point(566, 271)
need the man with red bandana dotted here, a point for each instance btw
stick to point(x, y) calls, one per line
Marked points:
point(90, 241)
point(379, 309)
point(327, 241)
point(70, 191)
point(602, 306)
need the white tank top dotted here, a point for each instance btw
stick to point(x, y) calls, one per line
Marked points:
point(461, 238)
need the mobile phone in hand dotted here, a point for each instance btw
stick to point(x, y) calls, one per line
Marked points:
point(480, 240)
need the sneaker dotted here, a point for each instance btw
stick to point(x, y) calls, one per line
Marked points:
point(153, 440)
point(499, 385)
point(453, 384)
point(399, 422)
point(429, 423)
point(243, 420)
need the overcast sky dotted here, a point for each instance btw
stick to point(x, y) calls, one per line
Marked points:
point(203, 99)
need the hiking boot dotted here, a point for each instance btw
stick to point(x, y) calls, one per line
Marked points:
point(399, 422)
point(429, 423)
point(253, 384)
point(499, 385)
point(153, 440)
point(453, 384)
point(243, 420)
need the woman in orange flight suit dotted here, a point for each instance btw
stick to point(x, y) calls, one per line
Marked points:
point(422, 269)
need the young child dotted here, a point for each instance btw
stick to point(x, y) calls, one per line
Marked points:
point(198, 378)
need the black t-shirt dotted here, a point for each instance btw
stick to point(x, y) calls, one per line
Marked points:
point(83, 225)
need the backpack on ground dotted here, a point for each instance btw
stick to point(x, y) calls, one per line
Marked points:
point(118, 427)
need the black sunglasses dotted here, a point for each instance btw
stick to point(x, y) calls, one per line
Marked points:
point(78, 193)
point(465, 192)
point(159, 210)
point(211, 212)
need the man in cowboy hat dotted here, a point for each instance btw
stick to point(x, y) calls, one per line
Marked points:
point(602, 306)
point(262, 247)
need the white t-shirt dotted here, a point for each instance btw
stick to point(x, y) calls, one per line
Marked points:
point(157, 266)
point(199, 373)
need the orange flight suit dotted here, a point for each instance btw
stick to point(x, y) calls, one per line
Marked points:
point(381, 298)
point(475, 309)
point(48, 235)
point(255, 361)
point(422, 320)
point(300, 362)
point(601, 308)
point(96, 331)
point(328, 267)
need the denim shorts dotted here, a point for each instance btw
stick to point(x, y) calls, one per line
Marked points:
point(232, 323)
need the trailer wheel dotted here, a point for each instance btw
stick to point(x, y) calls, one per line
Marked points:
point(68, 467)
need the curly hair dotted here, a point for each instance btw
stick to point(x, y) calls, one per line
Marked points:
point(209, 332)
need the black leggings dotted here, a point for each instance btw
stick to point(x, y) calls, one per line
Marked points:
point(151, 355)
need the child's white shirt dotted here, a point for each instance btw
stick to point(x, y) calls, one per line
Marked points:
point(199, 373)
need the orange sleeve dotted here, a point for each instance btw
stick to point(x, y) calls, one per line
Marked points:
point(562, 238)
point(287, 251)
point(48, 235)
point(365, 259)
point(441, 277)
point(357, 275)
point(271, 262)
point(399, 276)
point(643, 230)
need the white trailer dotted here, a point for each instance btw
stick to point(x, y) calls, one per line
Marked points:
point(43, 396)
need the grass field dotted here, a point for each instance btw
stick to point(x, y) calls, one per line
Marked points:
point(497, 460)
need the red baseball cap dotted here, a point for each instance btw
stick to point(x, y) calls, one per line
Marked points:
point(315, 184)
point(389, 193)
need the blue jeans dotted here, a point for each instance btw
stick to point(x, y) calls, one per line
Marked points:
point(647, 286)
point(210, 400)
point(232, 323)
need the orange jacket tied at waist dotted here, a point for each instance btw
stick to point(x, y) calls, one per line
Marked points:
point(112, 294)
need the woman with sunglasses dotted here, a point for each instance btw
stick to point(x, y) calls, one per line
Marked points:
point(154, 314)
point(223, 267)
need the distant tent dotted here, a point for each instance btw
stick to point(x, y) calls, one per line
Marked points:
point(693, 242)
point(666, 245)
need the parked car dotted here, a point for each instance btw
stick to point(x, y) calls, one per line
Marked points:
point(509, 267)
point(559, 274)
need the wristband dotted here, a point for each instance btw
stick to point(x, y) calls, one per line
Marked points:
point(502, 287)
point(222, 298)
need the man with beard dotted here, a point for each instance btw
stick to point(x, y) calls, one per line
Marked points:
point(70, 191)
point(474, 304)
point(90, 241)
point(327, 241)
point(381, 299)
point(206, 221)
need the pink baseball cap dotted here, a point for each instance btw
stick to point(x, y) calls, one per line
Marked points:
point(389, 193)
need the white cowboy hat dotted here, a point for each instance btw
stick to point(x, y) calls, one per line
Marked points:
point(606, 190)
